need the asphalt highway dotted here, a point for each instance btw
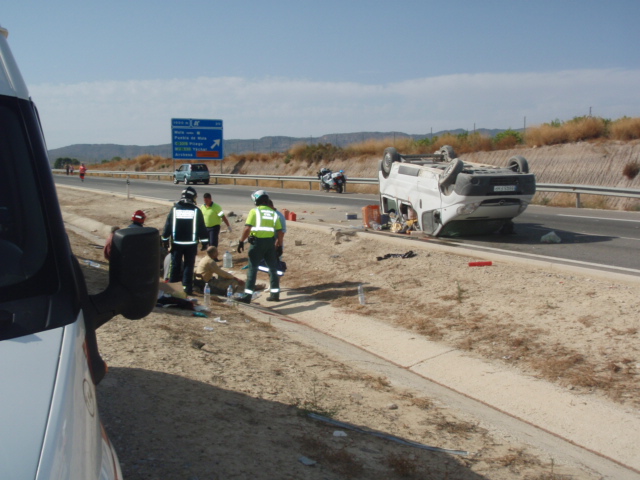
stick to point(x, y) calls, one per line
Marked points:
point(601, 239)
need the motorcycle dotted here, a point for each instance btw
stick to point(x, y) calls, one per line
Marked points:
point(332, 180)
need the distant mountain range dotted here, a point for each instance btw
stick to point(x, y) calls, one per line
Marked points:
point(98, 152)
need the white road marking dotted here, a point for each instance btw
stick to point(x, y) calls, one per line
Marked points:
point(599, 218)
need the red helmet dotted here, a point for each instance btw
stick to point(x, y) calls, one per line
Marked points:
point(138, 217)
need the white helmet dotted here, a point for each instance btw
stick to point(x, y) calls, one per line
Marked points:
point(257, 194)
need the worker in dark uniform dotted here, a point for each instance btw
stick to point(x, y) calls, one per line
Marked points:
point(184, 227)
point(263, 230)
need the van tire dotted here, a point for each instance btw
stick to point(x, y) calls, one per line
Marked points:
point(519, 164)
point(447, 151)
point(448, 177)
point(390, 156)
point(175, 180)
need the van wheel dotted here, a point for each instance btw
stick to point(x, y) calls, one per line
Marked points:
point(175, 180)
point(448, 177)
point(519, 164)
point(391, 155)
point(447, 151)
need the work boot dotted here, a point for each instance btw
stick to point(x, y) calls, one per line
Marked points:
point(246, 298)
point(274, 297)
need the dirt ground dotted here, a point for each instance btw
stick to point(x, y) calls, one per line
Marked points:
point(192, 398)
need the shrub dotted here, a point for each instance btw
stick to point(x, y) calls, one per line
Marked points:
point(507, 139)
point(625, 128)
point(631, 170)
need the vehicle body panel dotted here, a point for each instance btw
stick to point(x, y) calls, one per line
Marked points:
point(48, 347)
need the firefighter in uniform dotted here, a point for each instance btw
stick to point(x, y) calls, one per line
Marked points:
point(263, 230)
point(184, 227)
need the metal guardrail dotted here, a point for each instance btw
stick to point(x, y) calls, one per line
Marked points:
point(577, 190)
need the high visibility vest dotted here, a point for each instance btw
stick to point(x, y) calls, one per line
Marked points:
point(212, 215)
point(264, 222)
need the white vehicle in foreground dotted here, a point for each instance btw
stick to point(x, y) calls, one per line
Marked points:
point(50, 428)
point(449, 197)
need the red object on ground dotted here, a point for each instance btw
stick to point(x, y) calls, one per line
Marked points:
point(371, 213)
point(480, 264)
point(292, 216)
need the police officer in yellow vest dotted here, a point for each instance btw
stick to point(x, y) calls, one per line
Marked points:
point(263, 230)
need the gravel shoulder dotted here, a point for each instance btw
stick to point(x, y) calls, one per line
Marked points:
point(227, 400)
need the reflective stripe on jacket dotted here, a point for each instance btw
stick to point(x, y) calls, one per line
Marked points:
point(264, 222)
point(185, 225)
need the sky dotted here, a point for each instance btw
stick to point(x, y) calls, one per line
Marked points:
point(119, 71)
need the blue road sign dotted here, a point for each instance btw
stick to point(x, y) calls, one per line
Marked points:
point(197, 139)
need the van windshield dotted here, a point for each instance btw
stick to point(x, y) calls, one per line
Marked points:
point(23, 239)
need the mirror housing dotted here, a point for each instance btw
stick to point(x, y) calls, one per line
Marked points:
point(134, 272)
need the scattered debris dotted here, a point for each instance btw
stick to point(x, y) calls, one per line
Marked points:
point(375, 433)
point(339, 433)
point(307, 461)
point(480, 264)
point(197, 344)
point(551, 237)
point(409, 254)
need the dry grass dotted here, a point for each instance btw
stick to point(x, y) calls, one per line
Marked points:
point(338, 460)
point(625, 129)
point(402, 465)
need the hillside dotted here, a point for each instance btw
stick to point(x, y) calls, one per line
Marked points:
point(92, 153)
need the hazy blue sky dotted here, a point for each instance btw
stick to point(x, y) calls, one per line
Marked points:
point(118, 71)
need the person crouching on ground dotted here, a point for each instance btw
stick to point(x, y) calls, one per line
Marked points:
point(263, 230)
point(207, 268)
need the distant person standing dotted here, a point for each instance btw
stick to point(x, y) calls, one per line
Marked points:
point(66, 167)
point(82, 171)
point(184, 227)
point(213, 215)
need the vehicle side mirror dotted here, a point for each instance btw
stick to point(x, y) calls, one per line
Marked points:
point(134, 271)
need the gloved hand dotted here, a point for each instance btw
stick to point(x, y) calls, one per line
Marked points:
point(229, 229)
point(279, 251)
point(240, 246)
point(203, 247)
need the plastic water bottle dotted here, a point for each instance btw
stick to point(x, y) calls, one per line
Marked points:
point(227, 260)
point(207, 295)
point(230, 294)
point(361, 294)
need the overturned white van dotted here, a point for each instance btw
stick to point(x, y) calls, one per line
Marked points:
point(449, 197)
